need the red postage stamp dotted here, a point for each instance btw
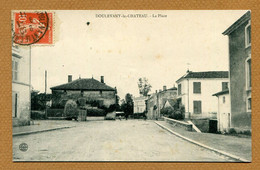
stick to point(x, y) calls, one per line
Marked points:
point(33, 28)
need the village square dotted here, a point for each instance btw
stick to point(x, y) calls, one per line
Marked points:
point(202, 116)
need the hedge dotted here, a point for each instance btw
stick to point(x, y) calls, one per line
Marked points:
point(55, 112)
point(37, 115)
point(95, 112)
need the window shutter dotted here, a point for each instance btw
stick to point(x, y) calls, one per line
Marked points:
point(196, 87)
point(197, 106)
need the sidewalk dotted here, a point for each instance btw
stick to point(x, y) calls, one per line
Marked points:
point(239, 146)
point(42, 126)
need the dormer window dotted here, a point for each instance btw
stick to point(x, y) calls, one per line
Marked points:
point(248, 34)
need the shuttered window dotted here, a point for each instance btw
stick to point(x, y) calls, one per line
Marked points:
point(14, 104)
point(197, 87)
point(197, 107)
point(224, 86)
point(179, 89)
point(14, 70)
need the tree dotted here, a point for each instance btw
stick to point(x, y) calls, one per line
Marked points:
point(144, 86)
point(127, 104)
point(37, 100)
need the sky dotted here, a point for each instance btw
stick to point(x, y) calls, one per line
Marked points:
point(125, 49)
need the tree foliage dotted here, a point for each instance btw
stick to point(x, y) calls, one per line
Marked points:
point(71, 109)
point(144, 86)
point(128, 104)
point(38, 100)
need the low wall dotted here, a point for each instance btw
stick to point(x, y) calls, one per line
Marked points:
point(95, 118)
point(202, 124)
point(178, 123)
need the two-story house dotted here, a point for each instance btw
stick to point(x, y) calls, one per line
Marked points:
point(21, 85)
point(195, 91)
point(139, 104)
point(89, 88)
point(239, 35)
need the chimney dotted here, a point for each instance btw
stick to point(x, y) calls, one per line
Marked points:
point(69, 78)
point(102, 79)
point(164, 88)
point(155, 91)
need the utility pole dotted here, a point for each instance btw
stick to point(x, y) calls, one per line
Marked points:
point(46, 94)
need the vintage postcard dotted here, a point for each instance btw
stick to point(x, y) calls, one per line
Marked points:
point(131, 85)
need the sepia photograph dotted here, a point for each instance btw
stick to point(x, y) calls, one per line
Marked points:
point(131, 86)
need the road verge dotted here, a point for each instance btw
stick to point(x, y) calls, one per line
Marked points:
point(202, 145)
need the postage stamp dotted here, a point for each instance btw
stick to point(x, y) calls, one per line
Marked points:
point(33, 28)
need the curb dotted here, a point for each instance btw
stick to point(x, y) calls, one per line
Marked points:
point(202, 145)
point(39, 131)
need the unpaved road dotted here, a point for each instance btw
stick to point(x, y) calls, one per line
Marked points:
point(131, 140)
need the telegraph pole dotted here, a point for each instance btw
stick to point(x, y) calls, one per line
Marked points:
point(46, 93)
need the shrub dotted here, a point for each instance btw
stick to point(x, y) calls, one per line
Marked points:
point(95, 112)
point(232, 131)
point(178, 114)
point(55, 112)
point(111, 116)
point(71, 110)
point(139, 115)
point(81, 101)
point(23, 122)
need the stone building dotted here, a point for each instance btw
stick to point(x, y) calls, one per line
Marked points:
point(89, 88)
point(21, 85)
point(239, 34)
point(157, 100)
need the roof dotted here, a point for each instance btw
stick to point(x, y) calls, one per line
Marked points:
point(141, 98)
point(89, 84)
point(171, 102)
point(239, 22)
point(221, 92)
point(173, 88)
point(207, 74)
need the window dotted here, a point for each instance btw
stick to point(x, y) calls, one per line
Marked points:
point(249, 104)
point(14, 104)
point(14, 70)
point(248, 34)
point(224, 99)
point(248, 73)
point(197, 106)
point(197, 87)
point(224, 86)
point(179, 89)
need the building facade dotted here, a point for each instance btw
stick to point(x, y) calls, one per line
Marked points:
point(139, 104)
point(239, 35)
point(223, 115)
point(21, 85)
point(90, 89)
point(195, 91)
point(157, 100)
